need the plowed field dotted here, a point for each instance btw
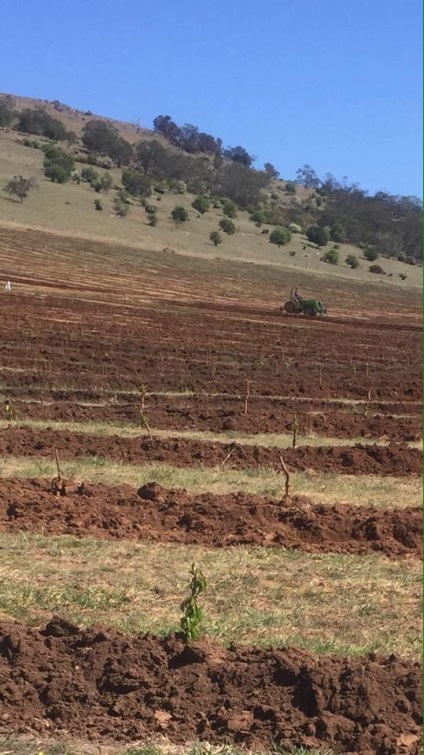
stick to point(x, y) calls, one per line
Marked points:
point(90, 328)
point(98, 683)
point(154, 513)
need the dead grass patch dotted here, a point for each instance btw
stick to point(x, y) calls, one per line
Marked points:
point(328, 487)
point(266, 440)
point(327, 603)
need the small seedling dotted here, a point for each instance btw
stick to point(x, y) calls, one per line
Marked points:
point(286, 474)
point(320, 375)
point(142, 393)
point(192, 617)
point(144, 422)
point(10, 412)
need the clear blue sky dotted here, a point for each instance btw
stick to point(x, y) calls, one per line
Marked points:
point(333, 83)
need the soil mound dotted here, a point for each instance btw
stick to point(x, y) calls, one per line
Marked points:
point(154, 513)
point(396, 459)
point(98, 682)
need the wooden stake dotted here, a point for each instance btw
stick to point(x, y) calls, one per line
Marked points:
point(247, 395)
point(227, 457)
point(295, 428)
point(56, 456)
point(287, 478)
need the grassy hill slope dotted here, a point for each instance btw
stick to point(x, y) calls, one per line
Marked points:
point(69, 209)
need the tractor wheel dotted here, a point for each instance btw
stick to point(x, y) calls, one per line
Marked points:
point(310, 312)
point(290, 307)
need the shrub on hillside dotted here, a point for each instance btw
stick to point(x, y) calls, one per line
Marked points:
point(280, 236)
point(216, 238)
point(317, 235)
point(377, 269)
point(332, 257)
point(19, 186)
point(229, 209)
point(352, 261)
point(179, 215)
point(227, 226)
point(371, 253)
point(201, 204)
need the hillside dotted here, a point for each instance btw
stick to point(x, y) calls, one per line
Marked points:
point(69, 208)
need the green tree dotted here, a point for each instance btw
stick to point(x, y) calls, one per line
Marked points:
point(215, 237)
point(317, 235)
point(229, 209)
point(227, 226)
point(89, 174)
point(136, 183)
point(280, 236)
point(55, 172)
point(371, 253)
point(338, 233)
point(258, 217)
point(98, 205)
point(107, 182)
point(19, 186)
point(331, 257)
point(58, 164)
point(6, 115)
point(179, 215)
point(120, 207)
point(352, 261)
point(41, 123)
point(201, 204)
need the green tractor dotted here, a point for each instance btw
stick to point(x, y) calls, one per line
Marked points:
point(297, 305)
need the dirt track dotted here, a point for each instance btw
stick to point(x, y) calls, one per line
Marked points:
point(154, 513)
point(397, 460)
point(100, 683)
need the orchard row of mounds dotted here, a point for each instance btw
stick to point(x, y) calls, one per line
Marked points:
point(99, 683)
point(395, 459)
point(225, 414)
point(156, 514)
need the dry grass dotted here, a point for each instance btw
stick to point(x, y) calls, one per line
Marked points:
point(14, 745)
point(329, 487)
point(266, 440)
point(325, 603)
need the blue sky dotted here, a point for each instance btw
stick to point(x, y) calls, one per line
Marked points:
point(335, 83)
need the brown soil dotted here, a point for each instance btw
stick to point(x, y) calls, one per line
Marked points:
point(154, 513)
point(396, 460)
point(99, 683)
point(64, 341)
point(217, 415)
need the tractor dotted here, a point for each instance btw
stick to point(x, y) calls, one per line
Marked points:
point(297, 305)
